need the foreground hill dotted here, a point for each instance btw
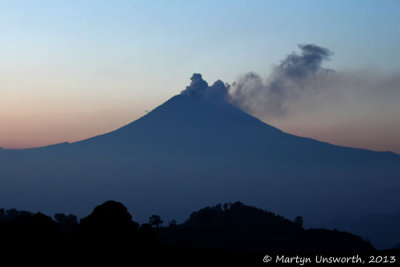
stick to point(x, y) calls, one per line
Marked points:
point(240, 227)
point(232, 234)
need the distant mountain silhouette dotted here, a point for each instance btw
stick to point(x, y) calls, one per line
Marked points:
point(197, 149)
point(381, 229)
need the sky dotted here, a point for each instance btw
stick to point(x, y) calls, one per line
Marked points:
point(70, 70)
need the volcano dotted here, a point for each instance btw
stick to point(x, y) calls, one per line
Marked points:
point(195, 150)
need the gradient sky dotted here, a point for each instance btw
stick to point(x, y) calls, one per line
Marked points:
point(73, 69)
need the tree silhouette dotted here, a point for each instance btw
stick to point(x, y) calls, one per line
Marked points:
point(2, 215)
point(155, 220)
point(61, 218)
point(226, 206)
point(108, 234)
point(299, 221)
point(66, 223)
point(172, 224)
point(109, 226)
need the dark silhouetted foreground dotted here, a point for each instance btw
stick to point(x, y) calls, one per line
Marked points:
point(226, 234)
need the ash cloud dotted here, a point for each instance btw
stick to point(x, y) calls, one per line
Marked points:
point(299, 66)
point(357, 108)
point(199, 88)
point(288, 81)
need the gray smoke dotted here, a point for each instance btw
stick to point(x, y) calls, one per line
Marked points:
point(287, 82)
point(357, 108)
point(199, 88)
point(299, 66)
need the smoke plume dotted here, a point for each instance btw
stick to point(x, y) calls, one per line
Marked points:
point(358, 108)
point(287, 82)
point(199, 88)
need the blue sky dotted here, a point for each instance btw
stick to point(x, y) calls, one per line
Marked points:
point(73, 69)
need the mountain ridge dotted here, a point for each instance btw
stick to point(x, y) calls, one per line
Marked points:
point(176, 100)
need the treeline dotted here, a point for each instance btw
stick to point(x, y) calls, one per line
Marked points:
point(238, 226)
point(229, 232)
